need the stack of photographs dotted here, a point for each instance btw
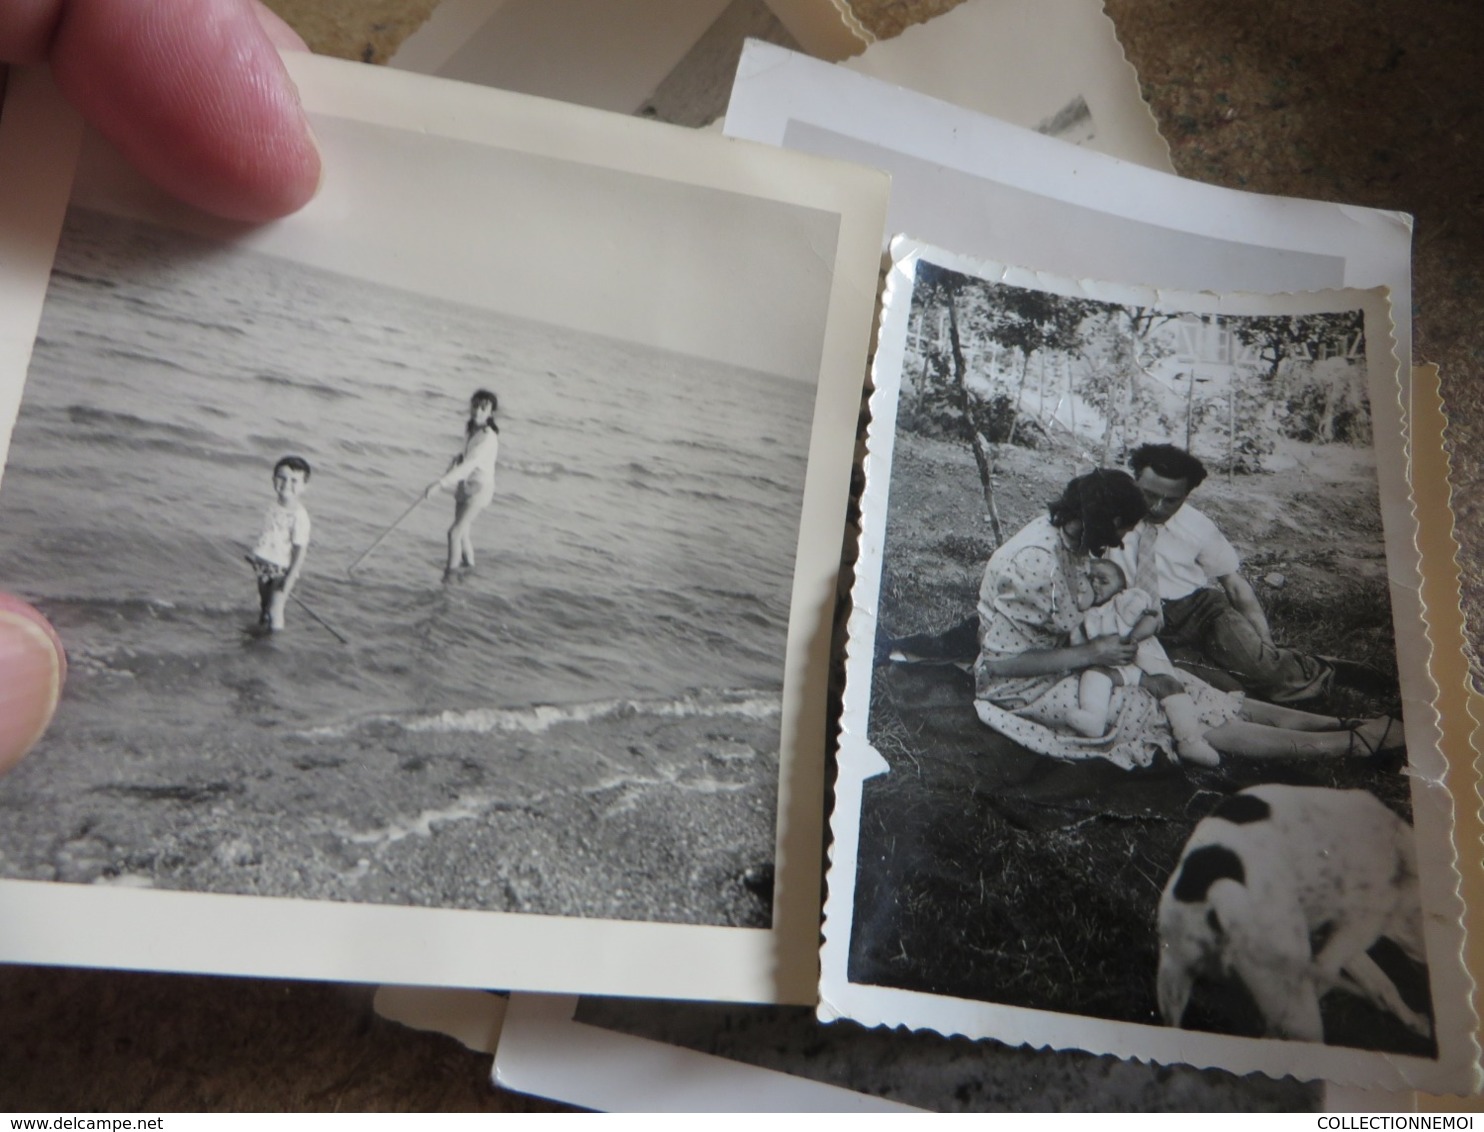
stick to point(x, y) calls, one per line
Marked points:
point(553, 415)
point(1012, 902)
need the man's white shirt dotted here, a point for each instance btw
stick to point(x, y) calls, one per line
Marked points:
point(1190, 553)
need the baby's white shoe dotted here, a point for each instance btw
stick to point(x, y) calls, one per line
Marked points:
point(1190, 738)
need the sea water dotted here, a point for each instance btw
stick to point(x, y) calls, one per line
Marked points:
point(637, 556)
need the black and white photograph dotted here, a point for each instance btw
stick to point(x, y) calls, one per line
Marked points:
point(439, 548)
point(1125, 728)
point(922, 1070)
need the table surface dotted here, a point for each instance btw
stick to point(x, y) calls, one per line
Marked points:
point(1370, 102)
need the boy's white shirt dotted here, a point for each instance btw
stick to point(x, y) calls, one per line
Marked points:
point(279, 538)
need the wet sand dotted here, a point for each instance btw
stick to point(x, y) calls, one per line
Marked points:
point(614, 816)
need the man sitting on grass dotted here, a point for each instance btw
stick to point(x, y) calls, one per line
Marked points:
point(1176, 553)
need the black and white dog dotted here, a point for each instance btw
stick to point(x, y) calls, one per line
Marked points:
point(1287, 887)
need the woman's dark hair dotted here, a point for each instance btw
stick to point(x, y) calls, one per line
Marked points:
point(482, 397)
point(1105, 502)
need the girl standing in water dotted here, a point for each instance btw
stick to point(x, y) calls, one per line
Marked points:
point(471, 477)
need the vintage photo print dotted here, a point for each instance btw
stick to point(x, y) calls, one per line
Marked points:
point(460, 547)
point(676, 1056)
point(1139, 750)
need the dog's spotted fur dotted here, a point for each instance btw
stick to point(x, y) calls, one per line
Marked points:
point(1203, 867)
point(1269, 871)
point(1243, 809)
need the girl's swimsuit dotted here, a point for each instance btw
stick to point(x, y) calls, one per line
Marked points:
point(473, 475)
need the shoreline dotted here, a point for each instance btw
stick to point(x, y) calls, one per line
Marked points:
point(631, 816)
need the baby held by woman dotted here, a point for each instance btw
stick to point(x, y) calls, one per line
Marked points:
point(1130, 613)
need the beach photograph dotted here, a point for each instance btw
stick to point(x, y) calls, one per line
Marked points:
point(446, 569)
point(583, 723)
point(1139, 847)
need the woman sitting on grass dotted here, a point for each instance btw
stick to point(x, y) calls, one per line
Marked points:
point(1036, 591)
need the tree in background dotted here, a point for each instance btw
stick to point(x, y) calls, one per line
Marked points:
point(985, 318)
point(1279, 338)
point(1119, 347)
point(1312, 382)
point(1302, 376)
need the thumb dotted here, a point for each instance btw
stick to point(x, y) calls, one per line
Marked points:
point(32, 668)
point(194, 93)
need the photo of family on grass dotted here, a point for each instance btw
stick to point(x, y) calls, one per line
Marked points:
point(1133, 736)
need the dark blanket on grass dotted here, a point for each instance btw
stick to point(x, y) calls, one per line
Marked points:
point(991, 873)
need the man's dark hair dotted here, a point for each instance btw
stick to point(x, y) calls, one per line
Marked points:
point(293, 463)
point(1168, 462)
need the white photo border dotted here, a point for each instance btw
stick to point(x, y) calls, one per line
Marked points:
point(76, 925)
point(1431, 740)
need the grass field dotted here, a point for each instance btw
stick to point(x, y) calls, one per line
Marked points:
point(993, 874)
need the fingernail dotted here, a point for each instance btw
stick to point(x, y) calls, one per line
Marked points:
point(31, 673)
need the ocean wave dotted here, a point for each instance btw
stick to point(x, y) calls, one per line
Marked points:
point(539, 718)
point(134, 608)
point(546, 470)
point(115, 422)
point(86, 280)
point(205, 453)
point(313, 388)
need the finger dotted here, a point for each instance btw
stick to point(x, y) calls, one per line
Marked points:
point(32, 668)
point(194, 94)
point(26, 28)
point(283, 37)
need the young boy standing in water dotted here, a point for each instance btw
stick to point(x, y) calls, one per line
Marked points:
point(278, 557)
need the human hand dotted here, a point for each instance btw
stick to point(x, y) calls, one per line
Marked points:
point(192, 92)
point(1109, 651)
point(32, 667)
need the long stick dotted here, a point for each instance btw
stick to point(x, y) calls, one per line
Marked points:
point(382, 537)
point(336, 632)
